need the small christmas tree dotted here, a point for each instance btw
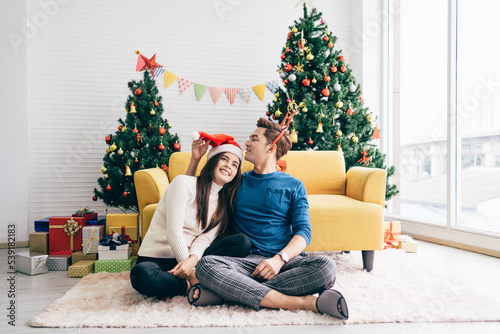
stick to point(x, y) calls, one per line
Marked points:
point(330, 103)
point(142, 141)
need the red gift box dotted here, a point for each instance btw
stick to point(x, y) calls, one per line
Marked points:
point(61, 240)
point(87, 216)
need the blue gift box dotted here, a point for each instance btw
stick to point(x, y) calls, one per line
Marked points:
point(100, 221)
point(42, 225)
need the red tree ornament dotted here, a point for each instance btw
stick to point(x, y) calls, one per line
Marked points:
point(125, 194)
point(306, 82)
point(341, 58)
point(343, 69)
point(94, 198)
point(330, 45)
point(365, 159)
point(138, 91)
point(161, 147)
point(333, 69)
point(310, 142)
point(156, 104)
point(325, 92)
point(376, 133)
point(177, 146)
point(283, 57)
point(326, 78)
point(288, 67)
point(161, 131)
point(108, 187)
point(164, 167)
point(349, 111)
point(108, 139)
point(325, 38)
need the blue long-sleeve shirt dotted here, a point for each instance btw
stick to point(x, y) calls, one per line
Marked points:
point(270, 210)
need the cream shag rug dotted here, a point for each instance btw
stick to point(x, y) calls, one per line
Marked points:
point(399, 289)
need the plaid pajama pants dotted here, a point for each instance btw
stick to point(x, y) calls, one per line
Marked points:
point(230, 277)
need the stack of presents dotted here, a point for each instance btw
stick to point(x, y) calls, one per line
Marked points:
point(394, 239)
point(81, 244)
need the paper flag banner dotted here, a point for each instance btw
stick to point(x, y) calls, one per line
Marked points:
point(231, 94)
point(140, 63)
point(183, 85)
point(272, 86)
point(169, 78)
point(200, 90)
point(157, 72)
point(215, 93)
point(259, 90)
point(245, 94)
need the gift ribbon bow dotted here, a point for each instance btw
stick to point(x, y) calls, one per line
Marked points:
point(71, 227)
point(88, 241)
point(113, 242)
point(389, 236)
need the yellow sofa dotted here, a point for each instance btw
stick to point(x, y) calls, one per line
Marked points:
point(346, 208)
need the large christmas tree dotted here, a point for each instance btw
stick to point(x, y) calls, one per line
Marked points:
point(331, 112)
point(142, 141)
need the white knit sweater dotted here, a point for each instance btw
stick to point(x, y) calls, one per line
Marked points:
point(174, 230)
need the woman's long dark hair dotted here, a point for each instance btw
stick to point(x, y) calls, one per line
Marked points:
point(227, 197)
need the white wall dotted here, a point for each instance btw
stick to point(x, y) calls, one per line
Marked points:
point(81, 56)
point(14, 114)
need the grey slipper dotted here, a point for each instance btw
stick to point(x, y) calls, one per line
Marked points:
point(205, 296)
point(332, 303)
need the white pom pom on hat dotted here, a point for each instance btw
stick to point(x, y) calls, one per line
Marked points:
point(220, 142)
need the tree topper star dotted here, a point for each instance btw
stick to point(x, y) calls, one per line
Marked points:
point(143, 63)
point(299, 68)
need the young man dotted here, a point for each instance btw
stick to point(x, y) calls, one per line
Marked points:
point(273, 211)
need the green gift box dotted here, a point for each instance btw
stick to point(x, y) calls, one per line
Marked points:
point(81, 268)
point(114, 266)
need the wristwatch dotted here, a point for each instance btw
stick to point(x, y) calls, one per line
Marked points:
point(284, 257)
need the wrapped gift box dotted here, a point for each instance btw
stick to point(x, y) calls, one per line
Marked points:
point(392, 231)
point(121, 219)
point(39, 242)
point(407, 244)
point(59, 240)
point(59, 262)
point(131, 232)
point(121, 252)
point(114, 266)
point(79, 256)
point(90, 238)
point(31, 263)
point(87, 216)
point(81, 268)
point(42, 225)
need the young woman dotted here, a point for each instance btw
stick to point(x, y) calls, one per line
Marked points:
point(191, 213)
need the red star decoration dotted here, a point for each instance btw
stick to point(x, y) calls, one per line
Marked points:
point(143, 63)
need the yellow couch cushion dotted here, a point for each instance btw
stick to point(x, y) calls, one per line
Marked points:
point(342, 223)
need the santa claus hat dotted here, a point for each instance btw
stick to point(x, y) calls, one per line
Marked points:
point(220, 143)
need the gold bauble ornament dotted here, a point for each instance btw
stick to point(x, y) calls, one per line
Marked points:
point(277, 113)
point(369, 118)
point(304, 109)
point(106, 176)
point(354, 139)
point(294, 136)
point(103, 170)
point(113, 147)
point(339, 133)
point(169, 125)
point(310, 57)
point(277, 94)
point(302, 104)
point(152, 112)
point(108, 150)
point(327, 33)
point(124, 129)
point(275, 99)
point(339, 104)
point(120, 151)
point(314, 80)
point(294, 30)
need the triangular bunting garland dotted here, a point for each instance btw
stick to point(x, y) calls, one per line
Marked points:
point(157, 71)
point(272, 86)
point(259, 90)
point(140, 63)
point(183, 85)
point(200, 90)
point(169, 78)
point(245, 94)
point(231, 94)
point(215, 93)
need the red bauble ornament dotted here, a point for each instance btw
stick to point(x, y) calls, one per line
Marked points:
point(135, 131)
point(283, 57)
point(288, 67)
point(108, 139)
point(285, 81)
point(108, 188)
point(349, 111)
point(136, 160)
point(94, 198)
point(119, 127)
point(325, 38)
point(330, 45)
point(287, 50)
point(333, 69)
point(164, 167)
point(310, 142)
point(162, 131)
point(341, 58)
point(325, 92)
point(161, 147)
point(138, 91)
point(326, 78)
point(288, 35)
point(177, 146)
point(273, 117)
point(306, 82)
point(267, 113)
point(156, 104)
point(125, 194)
point(342, 69)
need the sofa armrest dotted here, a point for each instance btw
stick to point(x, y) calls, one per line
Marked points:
point(150, 184)
point(366, 184)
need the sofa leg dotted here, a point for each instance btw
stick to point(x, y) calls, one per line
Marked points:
point(368, 257)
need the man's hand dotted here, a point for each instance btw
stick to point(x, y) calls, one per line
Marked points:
point(269, 268)
point(184, 268)
point(199, 148)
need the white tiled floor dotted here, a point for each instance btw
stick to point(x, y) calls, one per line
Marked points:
point(35, 293)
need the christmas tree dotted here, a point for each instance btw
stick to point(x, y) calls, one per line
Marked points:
point(142, 141)
point(319, 84)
